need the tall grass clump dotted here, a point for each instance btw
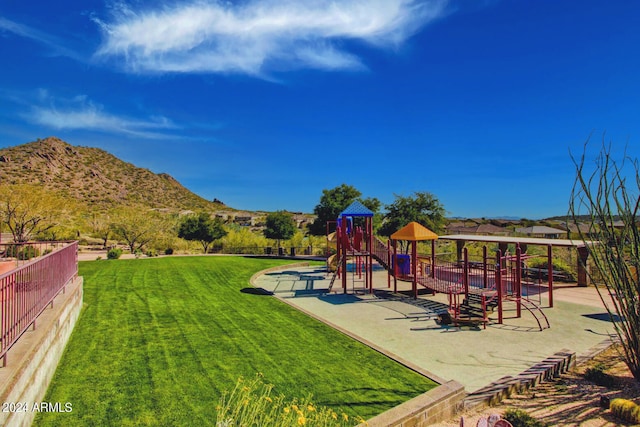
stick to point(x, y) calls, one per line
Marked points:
point(625, 410)
point(253, 403)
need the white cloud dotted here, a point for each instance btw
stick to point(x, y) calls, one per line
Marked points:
point(255, 36)
point(54, 44)
point(80, 113)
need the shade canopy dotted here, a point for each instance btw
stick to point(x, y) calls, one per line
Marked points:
point(356, 209)
point(414, 232)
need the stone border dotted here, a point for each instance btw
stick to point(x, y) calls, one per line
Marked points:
point(33, 359)
point(501, 389)
point(561, 362)
point(438, 404)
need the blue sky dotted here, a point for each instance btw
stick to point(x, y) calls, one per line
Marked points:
point(264, 103)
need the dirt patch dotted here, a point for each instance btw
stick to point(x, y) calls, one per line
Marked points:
point(570, 400)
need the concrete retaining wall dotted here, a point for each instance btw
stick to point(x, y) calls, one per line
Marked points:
point(441, 403)
point(33, 360)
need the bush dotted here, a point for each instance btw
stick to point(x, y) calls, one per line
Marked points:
point(22, 252)
point(558, 266)
point(114, 253)
point(625, 410)
point(151, 253)
point(168, 251)
point(596, 375)
point(519, 418)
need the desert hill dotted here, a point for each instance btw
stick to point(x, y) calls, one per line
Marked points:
point(94, 177)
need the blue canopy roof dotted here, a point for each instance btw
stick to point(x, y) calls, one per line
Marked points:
point(356, 209)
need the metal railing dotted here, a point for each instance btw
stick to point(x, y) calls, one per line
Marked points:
point(268, 250)
point(27, 289)
point(382, 252)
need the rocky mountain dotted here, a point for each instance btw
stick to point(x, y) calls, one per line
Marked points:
point(94, 177)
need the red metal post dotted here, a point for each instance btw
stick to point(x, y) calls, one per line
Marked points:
point(414, 267)
point(369, 222)
point(485, 274)
point(433, 259)
point(343, 237)
point(389, 264)
point(498, 279)
point(518, 281)
point(395, 266)
point(550, 264)
point(465, 271)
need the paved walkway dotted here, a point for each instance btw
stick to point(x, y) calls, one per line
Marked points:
point(407, 327)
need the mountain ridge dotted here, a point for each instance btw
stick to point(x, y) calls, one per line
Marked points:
point(95, 177)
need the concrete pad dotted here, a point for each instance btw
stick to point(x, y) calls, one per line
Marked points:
point(472, 356)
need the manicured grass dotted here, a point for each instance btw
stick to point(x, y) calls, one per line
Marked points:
point(159, 340)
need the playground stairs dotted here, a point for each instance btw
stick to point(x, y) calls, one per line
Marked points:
point(551, 367)
point(380, 261)
point(335, 275)
point(474, 310)
point(475, 299)
point(469, 314)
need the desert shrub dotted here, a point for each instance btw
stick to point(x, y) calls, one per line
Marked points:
point(519, 418)
point(625, 410)
point(151, 253)
point(558, 265)
point(596, 374)
point(251, 403)
point(22, 252)
point(114, 253)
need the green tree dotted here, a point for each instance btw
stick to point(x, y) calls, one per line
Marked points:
point(280, 226)
point(607, 198)
point(29, 210)
point(422, 207)
point(137, 226)
point(332, 202)
point(99, 224)
point(202, 228)
point(336, 200)
point(374, 205)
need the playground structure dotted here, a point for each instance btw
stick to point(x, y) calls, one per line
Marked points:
point(475, 288)
point(353, 242)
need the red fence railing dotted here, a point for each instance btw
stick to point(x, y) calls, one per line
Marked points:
point(382, 252)
point(28, 289)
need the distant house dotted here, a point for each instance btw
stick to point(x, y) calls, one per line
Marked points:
point(457, 228)
point(245, 219)
point(504, 222)
point(541, 231)
point(473, 228)
point(575, 229)
point(491, 230)
point(301, 219)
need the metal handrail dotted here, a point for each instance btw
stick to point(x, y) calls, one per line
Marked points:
point(28, 289)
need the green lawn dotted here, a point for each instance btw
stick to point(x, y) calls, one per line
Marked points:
point(159, 340)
